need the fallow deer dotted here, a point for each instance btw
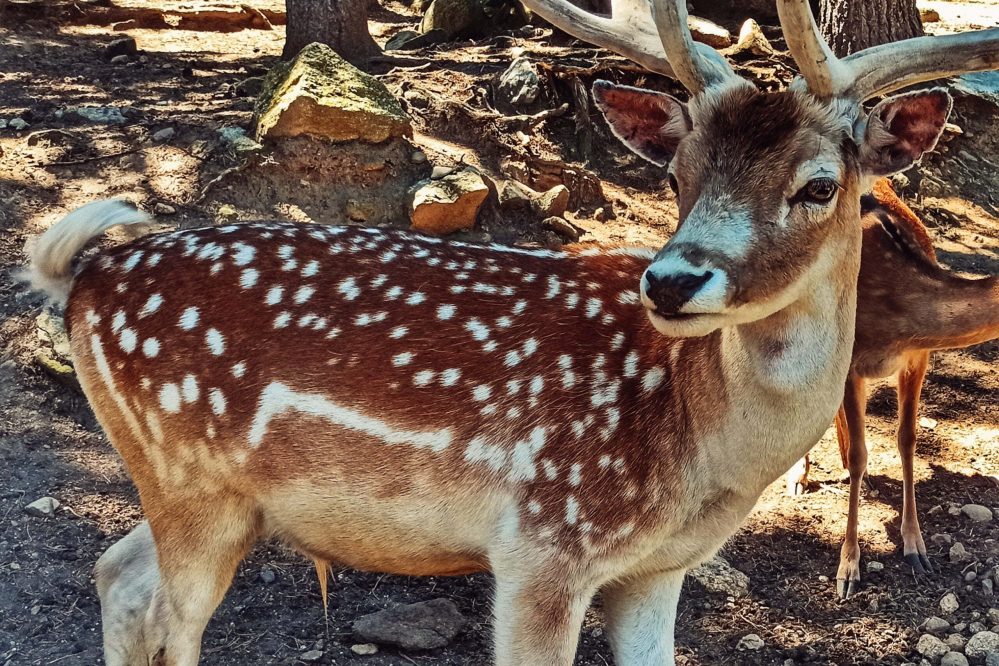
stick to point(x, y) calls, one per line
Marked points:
point(907, 306)
point(574, 421)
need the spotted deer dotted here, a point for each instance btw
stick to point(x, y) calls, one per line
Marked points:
point(575, 421)
point(897, 328)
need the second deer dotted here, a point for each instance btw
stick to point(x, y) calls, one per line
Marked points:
point(907, 307)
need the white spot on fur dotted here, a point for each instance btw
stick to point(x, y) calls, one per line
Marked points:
point(239, 370)
point(170, 398)
point(151, 306)
point(482, 392)
point(128, 340)
point(405, 358)
point(274, 295)
point(215, 341)
point(445, 312)
point(282, 320)
point(571, 510)
point(310, 269)
point(416, 298)
point(243, 254)
point(450, 377)
point(249, 278)
point(189, 318)
point(398, 332)
point(423, 377)
point(218, 402)
point(189, 388)
point(652, 378)
point(118, 321)
point(349, 289)
point(151, 347)
point(303, 294)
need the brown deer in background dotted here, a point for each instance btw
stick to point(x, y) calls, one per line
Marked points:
point(907, 306)
point(577, 421)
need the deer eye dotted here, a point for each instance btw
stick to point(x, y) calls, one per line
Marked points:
point(819, 190)
point(673, 185)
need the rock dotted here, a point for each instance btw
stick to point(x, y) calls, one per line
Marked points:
point(992, 659)
point(928, 423)
point(398, 41)
point(322, 95)
point(449, 204)
point(124, 46)
point(970, 577)
point(953, 659)
point(562, 227)
point(164, 209)
point(54, 355)
point(439, 172)
point(164, 134)
point(935, 509)
point(418, 157)
point(988, 587)
point(751, 39)
point(993, 615)
point(427, 625)
point(44, 507)
point(958, 553)
point(941, 539)
point(552, 203)
point(101, 115)
point(237, 139)
point(751, 642)
point(120, 60)
point(981, 645)
point(709, 33)
point(977, 513)
point(364, 649)
point(17, 124)
point(227, 212)
point(956, 642)
point(931, 647)
point(267, 575)
point(416, 99)
point(311, 656)
point(875, 567)
point(936, 625)
point(519, 85)
point(949, 604)
point(927, 15)
point(250, 87)
point(976, 627)
point(717, 575)
point(453, 17)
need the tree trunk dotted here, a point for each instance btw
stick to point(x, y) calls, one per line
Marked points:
point(342, 24)
point(852, 25)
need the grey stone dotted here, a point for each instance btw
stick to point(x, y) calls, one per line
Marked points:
point(977, 513)
point(956, 642)
point(427, 625)
point(949, 604)
point(519, 85)
point(931, 647)
point(237, 139)
point(100, 115)
point(992, 659)
point(750, 642)
point(267, 575)
point(400, 39)
point(124, 46)
point(119, 60)
point(953, 659)
point(17, 124)
point(164, 134)
point(717, 575)
point(958, 553)
point(875, 567)
point(43, 507)
point(981, 645)
point(364, 649)
point(936, 625)
point(164, 209)
point(453, 17)
point(311, 656)
point(942, 539)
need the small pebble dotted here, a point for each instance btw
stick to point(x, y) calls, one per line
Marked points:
point(164, 134)
point(44, 507)
point(364, 649)
point(164, 209)
point(267, 575)
point(874, 567)
point(949, 604)
point(311, 655)
point(119, 60)
point(750, 642)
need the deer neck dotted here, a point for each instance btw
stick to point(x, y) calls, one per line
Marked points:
point(964, 312)
point(790, 369)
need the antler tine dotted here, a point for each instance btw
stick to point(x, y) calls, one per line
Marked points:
point(881, 69)
point(822, 71)
point(697, 66)
point(628, 31)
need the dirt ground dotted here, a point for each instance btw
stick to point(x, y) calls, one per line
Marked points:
point(188, 79)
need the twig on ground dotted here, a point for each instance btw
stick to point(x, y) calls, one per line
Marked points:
point(95, 158)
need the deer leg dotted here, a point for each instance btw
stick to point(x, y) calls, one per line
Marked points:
point(854, 450)
point(910, 386)
point(537, 616)
point(199, 545)
point(127, 576)
point(797, 477)
point(641, 614)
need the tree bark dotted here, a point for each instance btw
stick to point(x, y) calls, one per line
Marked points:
point(852, 25)
point(342, 24)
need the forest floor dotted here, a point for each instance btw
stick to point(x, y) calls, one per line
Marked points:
point(188, 80)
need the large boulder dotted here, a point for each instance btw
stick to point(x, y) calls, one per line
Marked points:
point(453, 17)
point(427, 625)
point(319, 94)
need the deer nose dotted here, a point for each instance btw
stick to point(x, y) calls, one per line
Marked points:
point(668, 293)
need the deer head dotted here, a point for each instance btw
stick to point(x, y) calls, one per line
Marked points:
point(763, 179)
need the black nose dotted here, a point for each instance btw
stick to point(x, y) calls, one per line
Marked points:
point(670, 292)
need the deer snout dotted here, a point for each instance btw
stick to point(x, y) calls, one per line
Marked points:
point(679, 288)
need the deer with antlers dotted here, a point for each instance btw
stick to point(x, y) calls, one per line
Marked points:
point(579, 421)
point(897, 328)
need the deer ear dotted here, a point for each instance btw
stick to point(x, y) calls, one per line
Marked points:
point(650, 123)
point(901, 128)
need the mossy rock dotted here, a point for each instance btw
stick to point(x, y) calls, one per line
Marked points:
point(321, 95)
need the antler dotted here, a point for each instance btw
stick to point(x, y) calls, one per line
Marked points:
point(664, 46)
point(880, 69)
point(697, 66)
point(628, 31)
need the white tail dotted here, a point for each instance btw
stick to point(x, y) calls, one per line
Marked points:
point(53, 252)
point(573, 421)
